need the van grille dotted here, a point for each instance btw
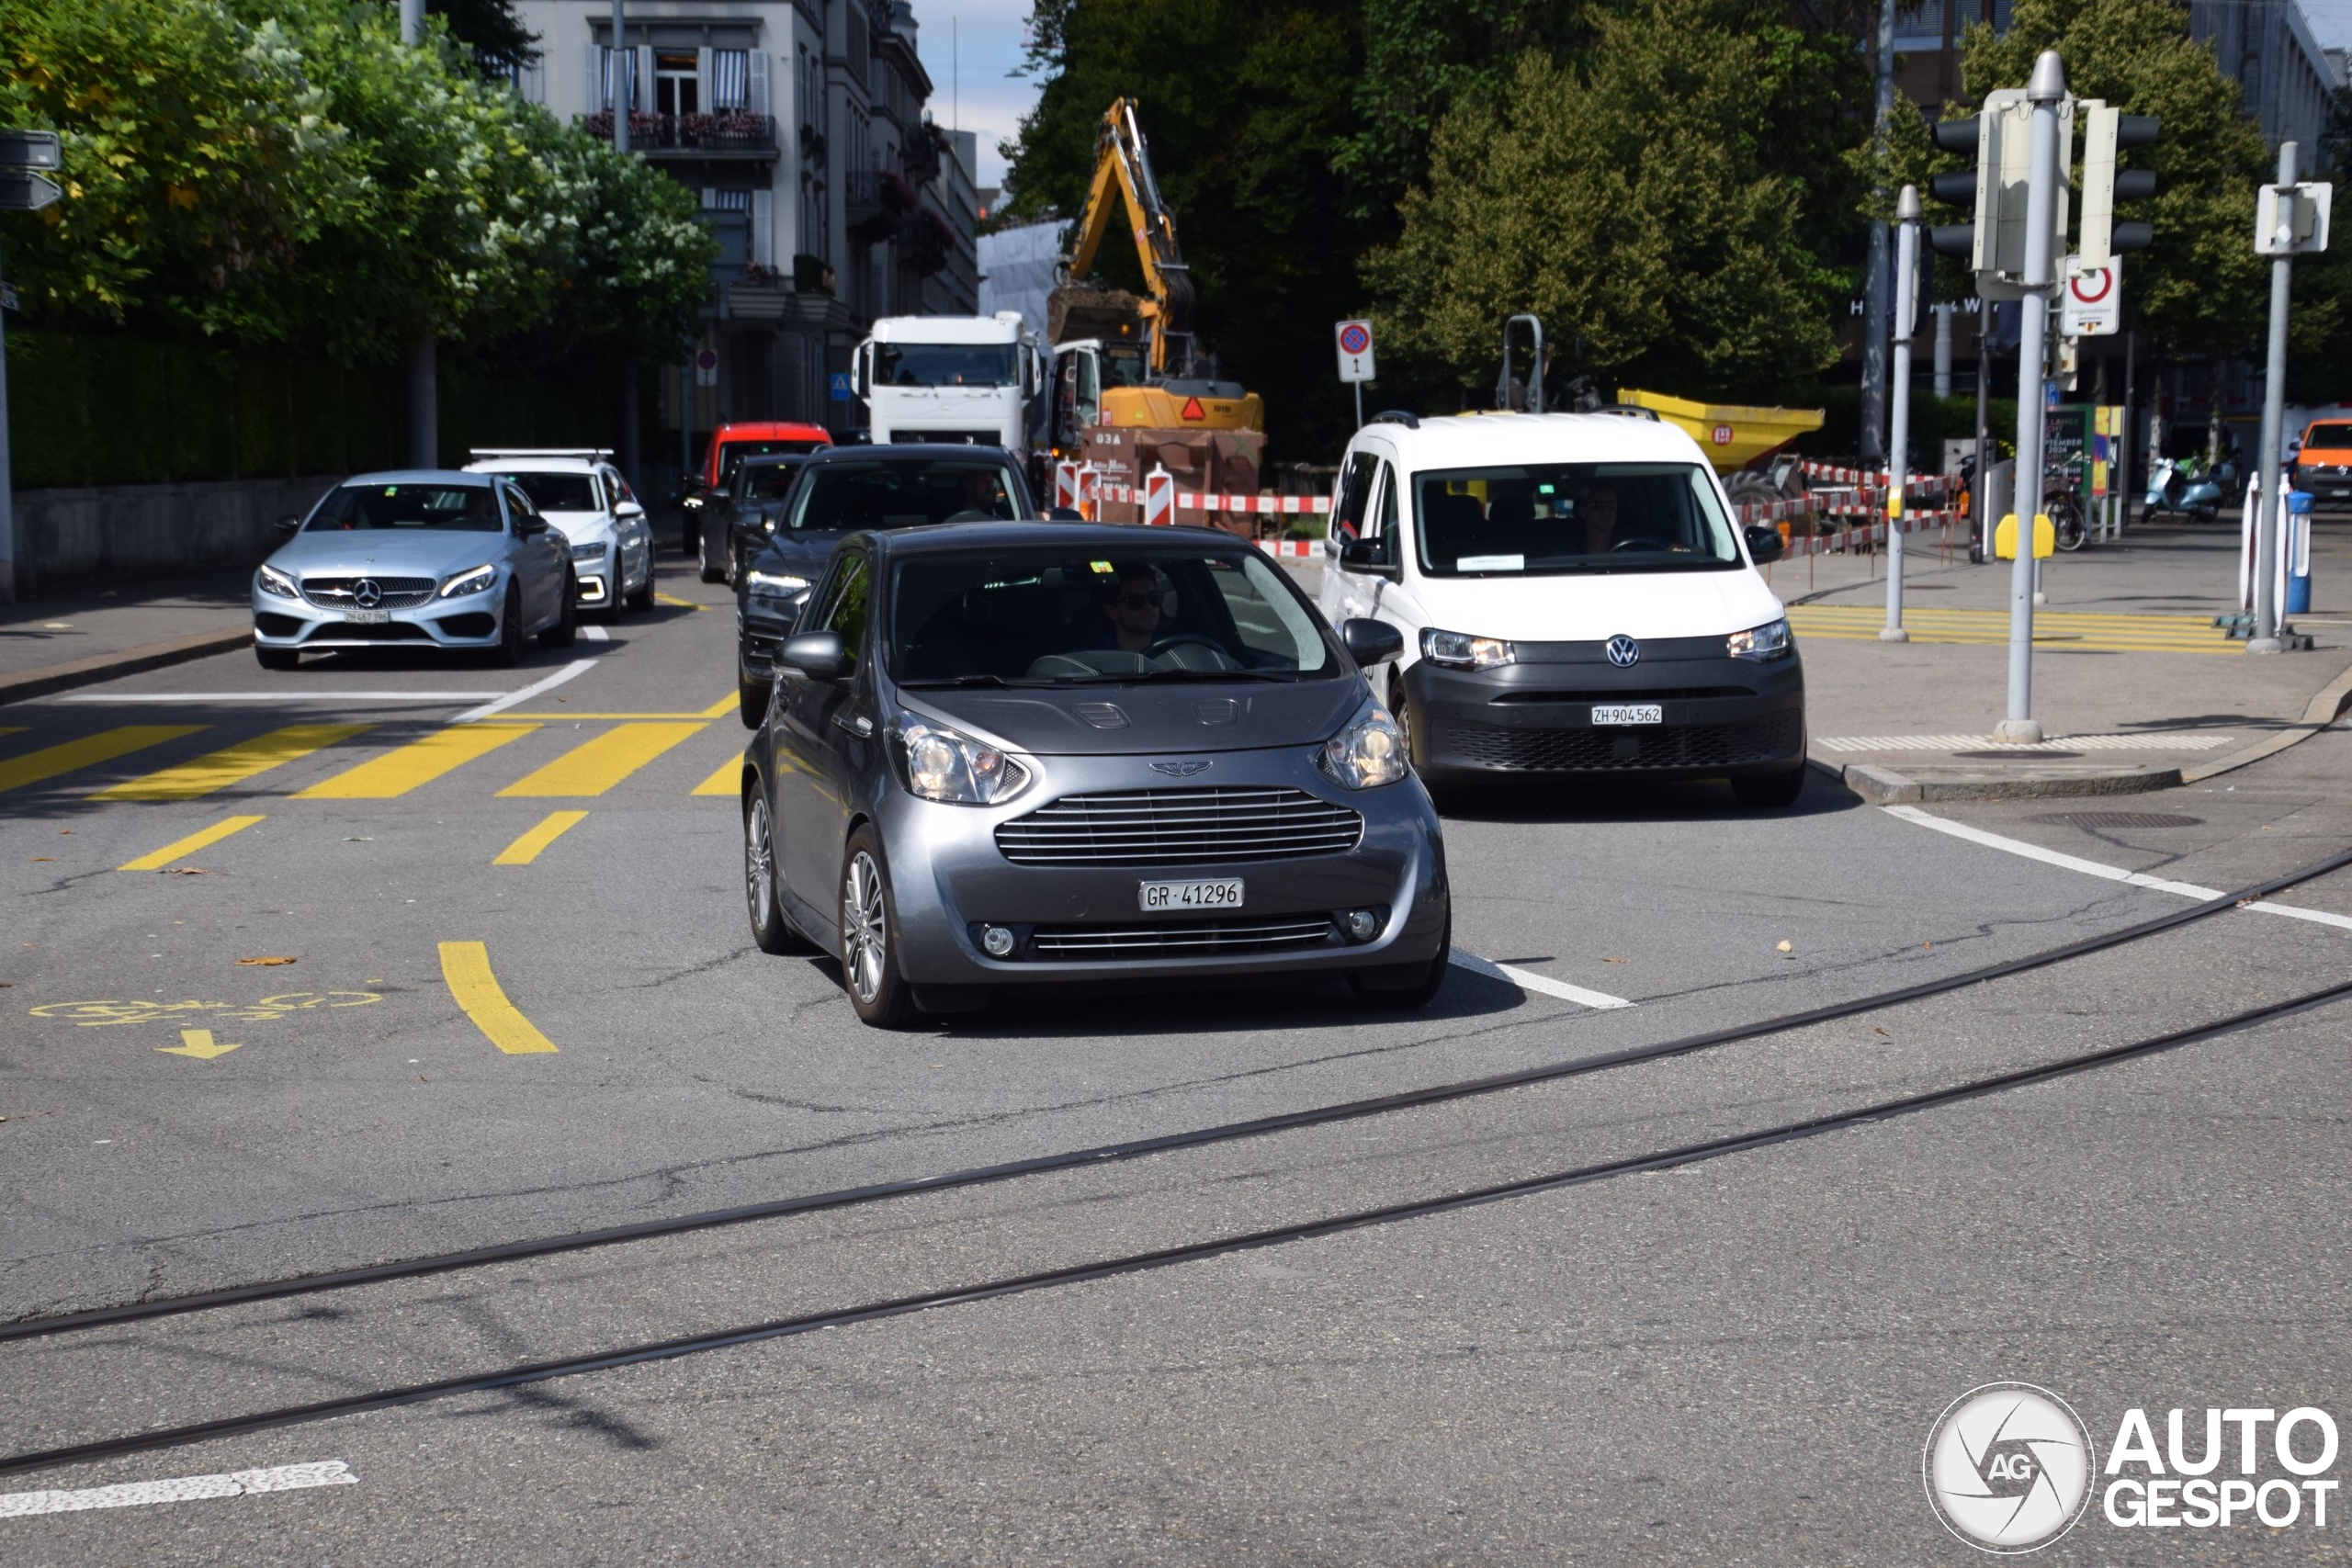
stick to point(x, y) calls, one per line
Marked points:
point(1221, 825)
point(1633, 750)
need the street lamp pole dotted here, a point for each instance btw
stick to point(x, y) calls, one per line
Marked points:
point(2046, 92)
point(624, 80)
point(421, 360)
point(2269, 511)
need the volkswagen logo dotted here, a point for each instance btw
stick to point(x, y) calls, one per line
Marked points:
point(1180, 770)
point(367, 594)
point(1623, 651)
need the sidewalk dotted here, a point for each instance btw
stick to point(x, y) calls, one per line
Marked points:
point(2132, 682)
point(50, 645)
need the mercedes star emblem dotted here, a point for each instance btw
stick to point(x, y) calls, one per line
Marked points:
point(367, 594)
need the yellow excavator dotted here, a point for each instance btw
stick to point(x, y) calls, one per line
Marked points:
point(1128, 392)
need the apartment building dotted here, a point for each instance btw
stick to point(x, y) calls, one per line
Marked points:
point(801, 126)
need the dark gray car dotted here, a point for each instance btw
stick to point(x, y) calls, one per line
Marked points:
point(1021, 755)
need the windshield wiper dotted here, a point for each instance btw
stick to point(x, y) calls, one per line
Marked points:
point(936, 681)
point(1183, 674)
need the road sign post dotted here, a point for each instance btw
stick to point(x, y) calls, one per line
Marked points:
point(2291, 216)
point(21, 190)
point(2045, 169)
point(1354, 342)
point(1898, 444)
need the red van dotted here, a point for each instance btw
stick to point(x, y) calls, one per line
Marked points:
point(730, 445)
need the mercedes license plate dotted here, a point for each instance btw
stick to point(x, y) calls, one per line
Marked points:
point(370, 617)
point(1628, 712)
point(1224, 893)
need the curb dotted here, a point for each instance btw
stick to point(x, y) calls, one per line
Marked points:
point(129, 662)
point(2325, 707)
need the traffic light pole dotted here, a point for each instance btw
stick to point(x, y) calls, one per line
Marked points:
point(2270, 512)
point(2046, 92)
point(1898, 441)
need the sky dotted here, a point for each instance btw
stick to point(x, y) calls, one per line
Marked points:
point(2330, 22)
point(967, 46)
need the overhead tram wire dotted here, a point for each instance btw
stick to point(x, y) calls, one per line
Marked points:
point(1140, 1262)
point(1101, 1153)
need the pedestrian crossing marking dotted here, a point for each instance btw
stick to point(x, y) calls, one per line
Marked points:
point(526, 850)
point(594, 766)
point(728, 780)
point(2092, 631)
point(420, 761)
point(2146, 740)
point(233, 764)
point(180, 848)
point(49, 762)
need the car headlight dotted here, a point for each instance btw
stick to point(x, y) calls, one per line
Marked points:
point(1770, 640)
point(272, 581)
point(774, 582)
point(1368, 753)
point(1459, 650)
point(592, 551)
point(474, 580)
point(945, 766)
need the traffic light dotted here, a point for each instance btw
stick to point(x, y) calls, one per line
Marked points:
point(2000, 138)
point(2106, 133)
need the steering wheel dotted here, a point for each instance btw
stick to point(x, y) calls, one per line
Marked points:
point(1174, 640)
point(1637, 543)
point(969, 516)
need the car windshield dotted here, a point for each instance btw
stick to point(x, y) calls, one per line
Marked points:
point(1542, 519)
point(560, 493)
point(731, 454)
point(842, 496)
point(2328, 435)
point(470, 509)
point(765, 481)
point(944, 365)
point(1057, 615)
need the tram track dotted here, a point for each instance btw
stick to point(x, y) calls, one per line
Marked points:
point(1105, 1153)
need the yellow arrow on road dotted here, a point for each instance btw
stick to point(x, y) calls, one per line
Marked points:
point(197, 1042)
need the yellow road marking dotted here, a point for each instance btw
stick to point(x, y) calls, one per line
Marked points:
point(180, 848)
point(721, 708)
point(731, 703)
point(681, 604)
point(728, 780)
point(47, 764)
point(466, 966)
point(197, 1042)
point(233, 764)
point(2091, 631)
point(420, 761)
point(594, 766)
point(526, 850)
point(11, 729)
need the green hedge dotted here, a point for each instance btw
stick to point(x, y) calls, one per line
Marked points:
point(116, 409)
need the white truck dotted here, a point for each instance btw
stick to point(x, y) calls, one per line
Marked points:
point(953, 378)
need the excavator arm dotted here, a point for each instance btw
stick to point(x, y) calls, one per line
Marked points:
point(1122, 164)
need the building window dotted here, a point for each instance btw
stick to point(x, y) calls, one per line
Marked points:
point(677, 86)
point(729, 78)
point(726, 200)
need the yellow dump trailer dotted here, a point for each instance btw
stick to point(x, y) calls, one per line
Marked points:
point(1733, 434)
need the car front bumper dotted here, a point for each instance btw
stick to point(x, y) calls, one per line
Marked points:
point(1082, 923)
point(1720, 716)
point(468, 622)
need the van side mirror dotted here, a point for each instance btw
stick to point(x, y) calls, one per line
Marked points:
point(1764, 543)
point(1369, 555)
point(820, 656)
point(1371, 642)
point(288, 524)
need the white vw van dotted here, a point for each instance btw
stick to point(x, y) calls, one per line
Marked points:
point(1576, 602)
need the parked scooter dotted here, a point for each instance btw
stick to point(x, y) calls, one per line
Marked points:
point(2183, 485)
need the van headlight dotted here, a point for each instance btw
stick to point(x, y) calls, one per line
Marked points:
point(474, 580)
point(1368, 753)
point(272, 581)
point(1770, 640)
point(1460, 650)
point(955, 769)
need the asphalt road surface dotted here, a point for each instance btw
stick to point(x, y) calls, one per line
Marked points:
point(420, 957)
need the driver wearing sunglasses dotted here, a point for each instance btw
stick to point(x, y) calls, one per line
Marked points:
point(1132, 610)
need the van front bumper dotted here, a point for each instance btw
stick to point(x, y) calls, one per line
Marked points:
point(1720, 716)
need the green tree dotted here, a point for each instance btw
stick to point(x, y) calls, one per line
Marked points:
point(1640, 200)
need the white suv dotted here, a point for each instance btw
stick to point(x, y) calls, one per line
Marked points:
point(580, 491)
point(1575, 599)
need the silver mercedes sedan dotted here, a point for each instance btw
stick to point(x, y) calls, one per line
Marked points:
point(418, 558)
point(1010, 756)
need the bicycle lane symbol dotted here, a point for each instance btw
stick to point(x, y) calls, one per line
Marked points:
point(194, 1019)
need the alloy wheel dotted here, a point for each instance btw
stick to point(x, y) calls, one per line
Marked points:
point(759, 866)
point(865, 949)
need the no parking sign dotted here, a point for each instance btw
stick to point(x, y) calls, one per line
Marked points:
point(1355, 351)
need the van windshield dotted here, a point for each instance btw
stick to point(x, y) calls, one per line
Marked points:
point(2328, 435)
point(1550, 519)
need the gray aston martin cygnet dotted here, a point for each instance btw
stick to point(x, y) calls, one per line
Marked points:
point(1015, 755)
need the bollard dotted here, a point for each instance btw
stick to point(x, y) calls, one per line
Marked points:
point(2298, 552)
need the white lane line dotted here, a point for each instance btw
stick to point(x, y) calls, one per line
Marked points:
point(2100, 869)
point(305, 696)
point(594, 632)
point(576, 666)
point(1527, 982)
point(188, 1488)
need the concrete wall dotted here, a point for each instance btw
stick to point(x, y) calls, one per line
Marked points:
point(72, 538)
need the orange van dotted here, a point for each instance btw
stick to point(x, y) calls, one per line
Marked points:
point(2324, 465)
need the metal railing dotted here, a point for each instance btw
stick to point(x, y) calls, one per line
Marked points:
point(724, 131)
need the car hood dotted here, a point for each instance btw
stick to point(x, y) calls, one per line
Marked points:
point(1178, 718)
point(1589, 608)
point(578, 525)
point(424, 552)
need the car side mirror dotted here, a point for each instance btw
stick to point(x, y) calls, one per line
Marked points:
point(1371, 642)
point(628, 508)
point(1064, 514)
point(288, 524)
point(1764, 544)
point(820, 656)
point(1368, 554)
point(532, 526)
